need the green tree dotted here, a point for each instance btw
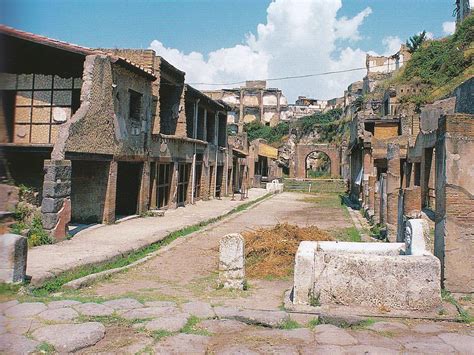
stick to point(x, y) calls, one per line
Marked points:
point(415, 41)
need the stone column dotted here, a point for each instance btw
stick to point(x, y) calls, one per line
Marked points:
point(371, 201)
point(56, 204)
point(108, 216)
point(144, 192)
point(393, 187)
point(368, 168)
point(377, 202)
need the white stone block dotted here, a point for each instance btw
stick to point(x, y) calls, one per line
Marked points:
point(415, 237)
point(304, 272)
point(232, 261)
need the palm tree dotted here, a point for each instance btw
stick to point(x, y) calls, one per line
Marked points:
point(416, 41)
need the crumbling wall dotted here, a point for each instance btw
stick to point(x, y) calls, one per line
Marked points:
point(454, 231)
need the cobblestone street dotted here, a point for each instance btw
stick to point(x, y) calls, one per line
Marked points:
point(171, 304)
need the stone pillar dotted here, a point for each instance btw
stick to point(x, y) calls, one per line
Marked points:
point(173, 201)
point(56, 204)
point(371, 183)
point(383, 198)
point(108, 216)
point(13, 256)
point(144, 192)
point(454, 218)
point(368, 168)
point(232, 261)
point(377, 202)
point(393, 187)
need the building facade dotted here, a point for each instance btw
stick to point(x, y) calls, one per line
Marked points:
point(253, 102)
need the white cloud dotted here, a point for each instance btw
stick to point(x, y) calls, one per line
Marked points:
point(449, 27)
point(299, 37)
point(392, 45)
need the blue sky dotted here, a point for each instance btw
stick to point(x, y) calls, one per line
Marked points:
point(206, 26)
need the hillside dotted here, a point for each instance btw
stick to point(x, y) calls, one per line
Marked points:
point(440, 65)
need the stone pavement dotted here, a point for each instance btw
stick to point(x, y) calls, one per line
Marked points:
point(109, 241)
point(128, 326)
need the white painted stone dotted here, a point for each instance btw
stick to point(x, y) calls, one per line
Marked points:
point(13, 256)
point(362, 248)
point(367, 275)
point(397, 282)
point(415, 237)
point(232, 261)
point(304, 272)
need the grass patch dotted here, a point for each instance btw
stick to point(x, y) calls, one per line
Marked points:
point(55, 284)
point(160, 334)
point(190, 327)
point(313, 323)
point(8, 291)
point(290, 324)
point(112, 319)
point(350, 234)
point(45, 348)
point(464, 315)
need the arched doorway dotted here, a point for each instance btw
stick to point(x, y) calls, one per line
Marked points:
point(318, 165)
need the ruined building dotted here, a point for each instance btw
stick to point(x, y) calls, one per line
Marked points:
point(253, 102)
point(305, 106)
point(102, 134)
point(405, 164)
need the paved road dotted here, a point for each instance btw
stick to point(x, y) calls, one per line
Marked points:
point(106, 242)
point(170, 305)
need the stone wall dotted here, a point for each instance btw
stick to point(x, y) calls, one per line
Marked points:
point(56, 204)
point(454, 231)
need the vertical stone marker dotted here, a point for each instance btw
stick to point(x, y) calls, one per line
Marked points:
point(13, 253)
point(232, 261)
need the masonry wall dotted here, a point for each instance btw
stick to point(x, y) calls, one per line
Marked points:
point(454, 232)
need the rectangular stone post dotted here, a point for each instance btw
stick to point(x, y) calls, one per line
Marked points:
point(144, 192)
point(108, 216)
point(393, 187)
point(13, 256)
point(56, 204)
point(232, 261)
point(371, 183)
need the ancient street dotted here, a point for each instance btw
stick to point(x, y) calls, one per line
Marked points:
point(171, 303)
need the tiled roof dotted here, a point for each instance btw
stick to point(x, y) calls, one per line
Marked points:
point(70, 47)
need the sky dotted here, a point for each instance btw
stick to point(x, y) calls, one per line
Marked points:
point(227, 41)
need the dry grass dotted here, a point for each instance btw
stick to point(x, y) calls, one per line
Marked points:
point(271, 252)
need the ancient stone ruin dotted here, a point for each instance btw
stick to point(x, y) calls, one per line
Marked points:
point(395, 276)
point(232, 261)
point(13, 255)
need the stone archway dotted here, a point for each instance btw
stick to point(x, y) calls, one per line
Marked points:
point(303, 150)
point(318, 164)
